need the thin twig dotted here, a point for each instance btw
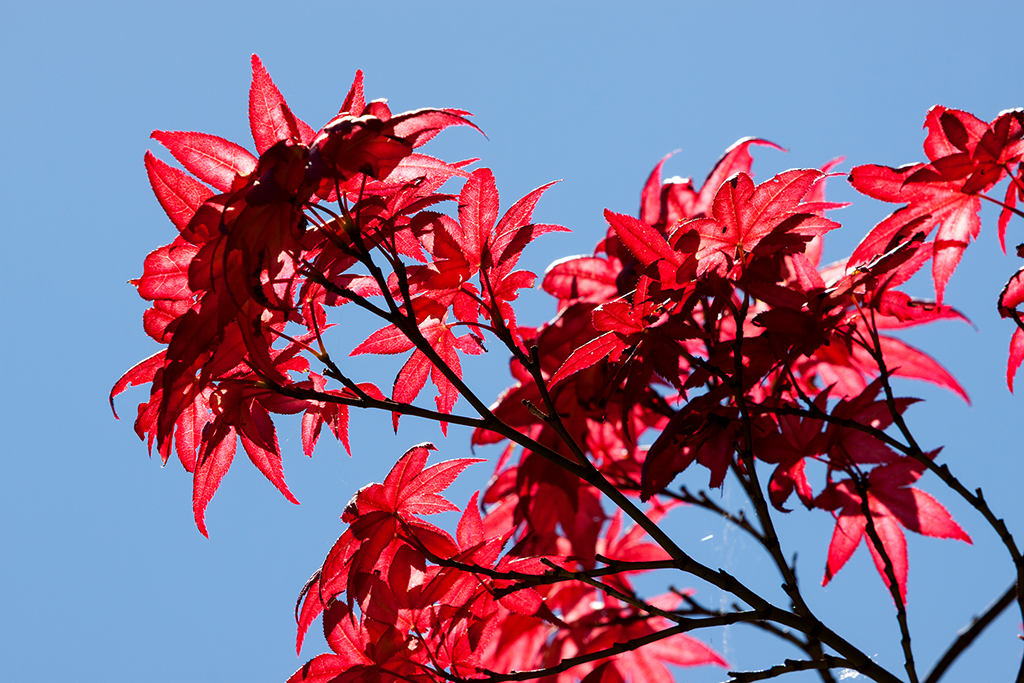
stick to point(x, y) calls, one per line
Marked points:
point(770, 539)
point(694, 607)
point(969, 633)
point(977, 499)
point(366, 401)
point(890, 574)
point(789, 666)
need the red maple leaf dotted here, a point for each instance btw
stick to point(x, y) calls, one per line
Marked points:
point(671, 259)
point(796, 440)
point(929, 205)
point(893, 503)
point(413, 375)
point(582, 278)
point(743, 215)
point(270, 119)
point(665, 204)
point(379, 515)
point(349, 146)
point(967, 157)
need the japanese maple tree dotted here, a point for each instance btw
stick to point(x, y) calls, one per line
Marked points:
point(704, 332)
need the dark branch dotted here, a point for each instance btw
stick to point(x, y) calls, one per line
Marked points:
point(789, 666)
point(969, 633)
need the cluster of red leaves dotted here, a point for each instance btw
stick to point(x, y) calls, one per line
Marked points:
point(707, 320)
point(258, 251)
point(714, 299)
point(401, 599)
point(404, 601)
point(967, 158)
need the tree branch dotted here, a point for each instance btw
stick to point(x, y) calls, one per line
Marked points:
point(789, 666)
point(969, 633)
point(890, 574)
point(812, 627)
point(770, 539)
point(977, 499)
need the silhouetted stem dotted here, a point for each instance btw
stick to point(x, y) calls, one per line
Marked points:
point(365, 401)
point(783, 634)
point(789, 666)
point(770, 539)
point(976, 499)
point(969, 633)
point(890, 574)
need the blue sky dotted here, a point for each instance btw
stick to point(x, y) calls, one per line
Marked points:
point(103, 576)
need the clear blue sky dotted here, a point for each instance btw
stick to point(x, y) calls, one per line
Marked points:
point(103, 576)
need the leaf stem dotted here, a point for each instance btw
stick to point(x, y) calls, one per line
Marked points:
point(1005, 206)
point(890, 574)
point(1014, 179)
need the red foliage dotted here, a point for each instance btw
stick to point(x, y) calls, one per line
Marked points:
point(706, 320)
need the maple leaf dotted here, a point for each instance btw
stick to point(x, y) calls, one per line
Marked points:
point(642, 326)
point(334, 415)
point(349, 145)
point(270, 119)
point(851, 367)
point(413, 375)
point(179, 194)
point(142, 372)
point(582, 278)
point(743, 215)
point(211, 466)
point(665, 204)
point(796, 440)
point(212, 159)
point(904, 360)
point(962, 147)
point(893, 503)
point(479, 242)
point(165, 272)
point(377, 515)
point(236, 406)
point(929, 205)
point(848, 447)
point(967, 157)
point(701, 431)
point(409, 489)
point(1009, 300)
point(673, 262)
point(515, 230)
point(363, 650)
